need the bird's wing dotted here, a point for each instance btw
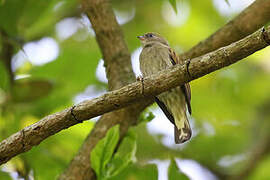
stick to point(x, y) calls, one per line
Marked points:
point(165, 110)
point(186, 87)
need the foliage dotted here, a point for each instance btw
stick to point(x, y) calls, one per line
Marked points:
point(173, 3)
point(226, 120)
point(174, 173)
point(146, 116)
point(103, 161)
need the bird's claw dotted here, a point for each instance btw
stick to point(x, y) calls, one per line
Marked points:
point(140, 78)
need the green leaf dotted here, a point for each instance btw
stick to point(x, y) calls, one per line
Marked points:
point(138, 171)
point(174, 172)
point(102, 153)
point(125, 154)
point(227, 1)
point(4, 175)
point(173, 3)
point(146, 116)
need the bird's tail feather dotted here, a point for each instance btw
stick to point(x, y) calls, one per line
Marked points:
point(183, 133)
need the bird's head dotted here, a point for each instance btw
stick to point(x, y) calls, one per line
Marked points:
point(151, 37)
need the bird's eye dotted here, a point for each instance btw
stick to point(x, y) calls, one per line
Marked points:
point(149, 35)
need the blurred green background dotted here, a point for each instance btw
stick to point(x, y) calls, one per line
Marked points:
point(50, 60)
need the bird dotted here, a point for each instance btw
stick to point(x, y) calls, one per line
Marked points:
point(156, 56)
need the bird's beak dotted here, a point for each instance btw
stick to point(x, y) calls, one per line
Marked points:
point(140, 38)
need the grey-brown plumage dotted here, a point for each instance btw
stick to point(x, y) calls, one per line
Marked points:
point(156, 56)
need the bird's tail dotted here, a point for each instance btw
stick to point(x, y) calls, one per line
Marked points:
point(182, 130)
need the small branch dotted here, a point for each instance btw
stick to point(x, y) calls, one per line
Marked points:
point(248, 21)
point(6, 54)
point(131, 93)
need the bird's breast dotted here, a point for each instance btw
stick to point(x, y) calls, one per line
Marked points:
point(154, 59)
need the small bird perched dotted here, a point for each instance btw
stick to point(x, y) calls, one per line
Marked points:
point(157, 55)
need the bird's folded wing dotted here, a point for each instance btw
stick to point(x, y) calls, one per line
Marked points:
point(186, 87)
point(165, 110)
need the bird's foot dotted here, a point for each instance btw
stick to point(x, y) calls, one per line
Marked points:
point(140, 78)
point(265, 36)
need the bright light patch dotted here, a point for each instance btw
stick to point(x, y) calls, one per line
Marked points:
point(208, 129)
point(42, 51)
point(85, 21)
point(67, 27)
point(231, 123)
point(58, 5)
point(18, 60)
point(135, 61)
point(162, 166)
point(161, 125)
point(169, 15)
point(22, 76)
point(194, 170)
point(37, 52)
point(231, 8)
point(90, 92)
point(123, 17)
point(229, 160)
point(101, 72)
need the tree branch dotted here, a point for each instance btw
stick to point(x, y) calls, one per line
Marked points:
point(6, 54)
point(260, 147)
point(119, 73)
point(248, 21)
point(32, 135)
point(111, 42)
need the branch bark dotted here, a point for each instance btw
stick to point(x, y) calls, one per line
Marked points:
point(6, 53)
point(101, 17)
point(248, 21)
point(111, 42)
point(119, 73)
point(32, 135)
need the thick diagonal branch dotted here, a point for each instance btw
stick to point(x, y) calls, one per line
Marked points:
point(248, 21)
point(127, 95)
point(119, 72)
